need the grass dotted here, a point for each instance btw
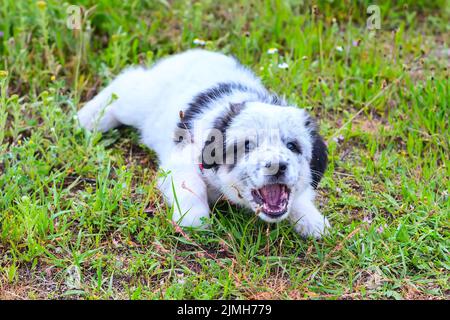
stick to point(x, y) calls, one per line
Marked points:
point(80, 216)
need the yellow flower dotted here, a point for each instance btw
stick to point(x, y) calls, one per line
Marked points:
point(3, 73)
point(53, 78)
point(41, 5)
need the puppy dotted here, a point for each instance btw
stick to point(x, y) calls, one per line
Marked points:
point(218, 133)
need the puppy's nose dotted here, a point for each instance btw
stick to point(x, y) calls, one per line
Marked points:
point(282, 167)
point(276, 169)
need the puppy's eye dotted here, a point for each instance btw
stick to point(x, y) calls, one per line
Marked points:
point(249, 146)
point(294, 147)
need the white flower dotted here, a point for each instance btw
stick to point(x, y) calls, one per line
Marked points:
point(272, 51)
point(199, 42)
point(339, 48)
point(283, 65)
point(367, 220)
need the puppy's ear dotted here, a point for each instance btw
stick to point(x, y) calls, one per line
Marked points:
point(319, 159)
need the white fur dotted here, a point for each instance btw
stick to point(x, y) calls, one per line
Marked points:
point(151, 100)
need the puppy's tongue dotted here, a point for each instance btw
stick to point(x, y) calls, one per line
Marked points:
point(272, 194)
point(272, 198)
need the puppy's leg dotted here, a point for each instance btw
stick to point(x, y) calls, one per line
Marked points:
point(124, 101)
point(185, 190)
point(307, 220)
point(98, 114)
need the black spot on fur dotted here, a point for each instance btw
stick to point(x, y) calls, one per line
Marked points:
point(319, 160)
point(276, 100)
point(203, 101)
point(221, 124)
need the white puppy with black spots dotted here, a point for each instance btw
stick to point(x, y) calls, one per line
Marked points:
point(218, 133)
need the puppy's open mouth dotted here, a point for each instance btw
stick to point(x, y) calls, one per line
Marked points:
point(273, 199)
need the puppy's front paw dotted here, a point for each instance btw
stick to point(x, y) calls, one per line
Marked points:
point(195, 221)
point(316, 226)
point(195, 217)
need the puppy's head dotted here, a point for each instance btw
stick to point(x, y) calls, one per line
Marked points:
point(265, 154)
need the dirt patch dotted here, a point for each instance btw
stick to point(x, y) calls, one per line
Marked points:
point(372, 126)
